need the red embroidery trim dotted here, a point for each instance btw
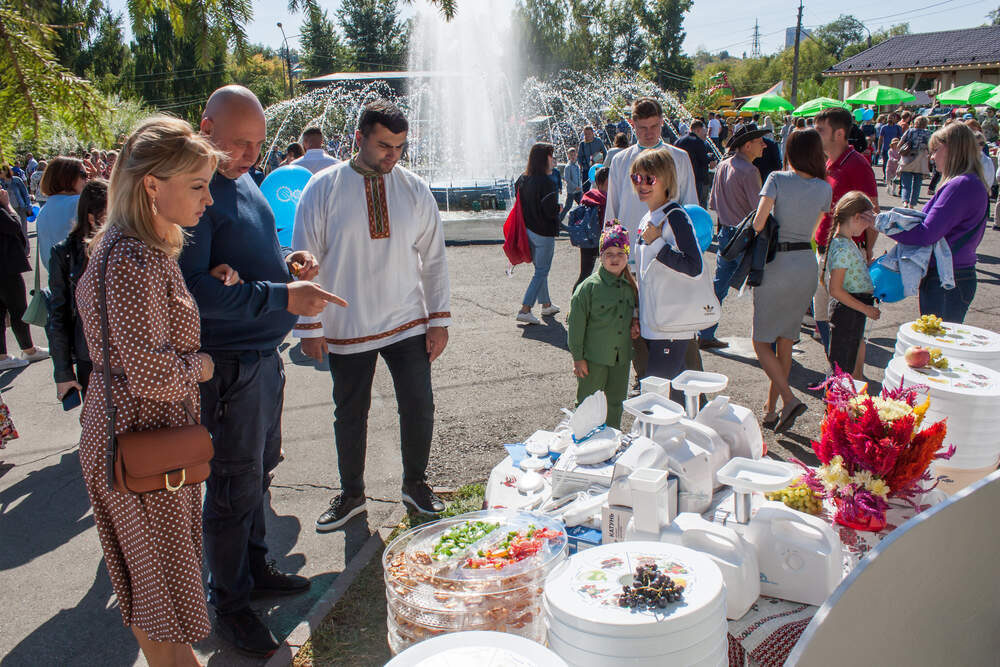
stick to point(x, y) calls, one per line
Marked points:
point(438, 316)
point(378, 208)
point(386, 334)
point(311, 325)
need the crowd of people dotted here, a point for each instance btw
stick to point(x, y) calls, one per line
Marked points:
point(162, 258)
point(810, 192)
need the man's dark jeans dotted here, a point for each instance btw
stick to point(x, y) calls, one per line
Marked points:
point(241, 406)
point(410, 368)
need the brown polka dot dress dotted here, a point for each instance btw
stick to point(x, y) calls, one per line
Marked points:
point(151, 542)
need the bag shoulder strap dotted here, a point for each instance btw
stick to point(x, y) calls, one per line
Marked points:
point(38, 272)
point(967, 236)
point(110, 411)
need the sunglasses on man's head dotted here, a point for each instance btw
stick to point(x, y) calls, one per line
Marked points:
point(639, 179)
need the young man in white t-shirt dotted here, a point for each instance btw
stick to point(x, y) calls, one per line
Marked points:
point(714, 130)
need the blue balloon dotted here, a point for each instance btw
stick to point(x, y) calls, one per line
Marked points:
point(869, 114)
point(34, 209)
point(704, 226)
point(888, 283)
point(282, 189)
point(592, 174)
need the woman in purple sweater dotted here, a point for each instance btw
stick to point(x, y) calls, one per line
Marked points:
point(957, 212)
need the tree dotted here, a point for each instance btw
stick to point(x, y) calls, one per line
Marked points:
point(622, 43)
point(374, 32)
point(262, 71)
point(107, 60)
point(322, 49)
point(877, 38)
point(541, 26)
point(80, 18)
point(994, 16)
point(663, 21)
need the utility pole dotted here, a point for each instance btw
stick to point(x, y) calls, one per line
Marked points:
point(755, 50)
point(288, 60)
point(795, 62)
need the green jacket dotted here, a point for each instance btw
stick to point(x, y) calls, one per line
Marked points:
point(600, 319)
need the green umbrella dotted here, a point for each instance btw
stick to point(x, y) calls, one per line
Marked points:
point(881, 96)
point(767, 103)
point(813, 107)
point(994, 101)
point(970, 93)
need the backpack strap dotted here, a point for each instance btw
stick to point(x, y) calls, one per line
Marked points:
point(966, 237)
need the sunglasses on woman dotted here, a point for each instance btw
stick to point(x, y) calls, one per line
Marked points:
point(639, 179)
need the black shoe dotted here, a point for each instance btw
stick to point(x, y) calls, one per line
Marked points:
point(712, 344)
point(273, 582)
point(244, 630)
point(342, 509)
point(419, 498)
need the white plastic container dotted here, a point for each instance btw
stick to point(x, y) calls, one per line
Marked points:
point(481, 649)
point(735, 424)
point(959, 342)
point(655, 385)
point(708, 439)
point(800, 555)
point(695, 383)
point(736, 558)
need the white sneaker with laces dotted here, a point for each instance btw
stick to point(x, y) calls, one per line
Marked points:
point(528, 318)
point(550, 310)
point(39, 354)
point(12, 362)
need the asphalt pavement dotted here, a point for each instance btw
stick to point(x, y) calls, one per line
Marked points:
point(496, 383)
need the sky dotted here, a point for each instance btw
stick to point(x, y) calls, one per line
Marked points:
point(734, 32)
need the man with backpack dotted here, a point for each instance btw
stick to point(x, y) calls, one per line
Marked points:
point(586, 222)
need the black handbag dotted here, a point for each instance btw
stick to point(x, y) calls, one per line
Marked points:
point(744, 236)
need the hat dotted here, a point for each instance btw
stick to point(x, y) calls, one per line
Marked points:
point(614, 236)
point(744, 133)
point(968, 116)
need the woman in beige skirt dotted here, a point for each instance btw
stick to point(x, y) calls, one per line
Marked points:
point(152, 541)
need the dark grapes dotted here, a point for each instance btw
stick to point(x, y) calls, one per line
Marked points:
point(650, 589)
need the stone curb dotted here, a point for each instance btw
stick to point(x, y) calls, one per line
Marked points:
point(303, 631)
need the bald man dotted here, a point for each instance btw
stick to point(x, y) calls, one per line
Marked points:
point(242, 325)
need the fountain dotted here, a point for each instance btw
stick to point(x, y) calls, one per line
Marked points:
point(471, 124)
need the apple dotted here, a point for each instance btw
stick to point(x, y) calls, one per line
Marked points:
point(916, 356)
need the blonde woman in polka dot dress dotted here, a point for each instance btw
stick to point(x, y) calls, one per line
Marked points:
point(152, 542)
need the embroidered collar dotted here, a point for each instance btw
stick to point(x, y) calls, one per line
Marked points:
point(659, 144)
point(367, 173)
point(375, 200)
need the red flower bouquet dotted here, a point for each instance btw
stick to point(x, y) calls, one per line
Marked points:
point(871, 450)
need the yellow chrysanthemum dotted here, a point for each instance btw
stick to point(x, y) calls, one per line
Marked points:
point(833, 475)
point(919, 411)
point(879, 488)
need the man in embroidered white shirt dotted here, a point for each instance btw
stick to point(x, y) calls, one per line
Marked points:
point(375, 230)
point(315, 159)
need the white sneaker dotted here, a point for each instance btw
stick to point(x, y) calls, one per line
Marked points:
point(528, 318)
point(12, 362)
point(39, 354)
point(550, 310)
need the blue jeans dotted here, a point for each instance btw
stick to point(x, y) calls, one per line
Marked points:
point(241, 407)
point(571, 198)
point(724, 270)
point(909, 187)
point(410, 368)
point(542, 249)
point(950, 305)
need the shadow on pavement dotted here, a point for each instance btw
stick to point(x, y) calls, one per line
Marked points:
point(89, 633)
point(552, 332)
point(51, 506)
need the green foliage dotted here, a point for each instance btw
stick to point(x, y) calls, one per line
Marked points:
point(374, 32)
point(665, 62)
point(322, 49)
point(994, 16)
point(34, 86)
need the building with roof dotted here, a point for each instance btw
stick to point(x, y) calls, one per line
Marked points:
point(932, 61)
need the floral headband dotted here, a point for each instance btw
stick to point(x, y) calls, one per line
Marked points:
point(614, 236)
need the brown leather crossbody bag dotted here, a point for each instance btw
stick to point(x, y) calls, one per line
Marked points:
point(143, 461)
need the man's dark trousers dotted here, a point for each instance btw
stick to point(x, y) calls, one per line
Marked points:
point(241, 407)
point(410, 368)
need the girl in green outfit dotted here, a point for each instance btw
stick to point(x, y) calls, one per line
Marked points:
point(602, 324)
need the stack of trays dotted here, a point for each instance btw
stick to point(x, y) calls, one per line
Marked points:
point(477, 649)
point(960, 342)
point(432, 590)
point(969, 396)
point(587, 628)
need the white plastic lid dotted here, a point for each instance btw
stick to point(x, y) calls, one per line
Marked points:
point(967, 379)
point(583, 591)
point(532, 463)
point(700, 382)
point(479, 648)
point(747, 475)
point(654, 409)
point(530, 482)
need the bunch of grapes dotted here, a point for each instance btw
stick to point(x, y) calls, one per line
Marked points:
point(799, 497)
point(929, 324)
point(650, 589)
point(938, 360)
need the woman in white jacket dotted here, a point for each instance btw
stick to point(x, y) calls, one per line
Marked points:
point(675, 292)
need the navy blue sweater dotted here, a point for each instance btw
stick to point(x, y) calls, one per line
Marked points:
point(238, 229)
